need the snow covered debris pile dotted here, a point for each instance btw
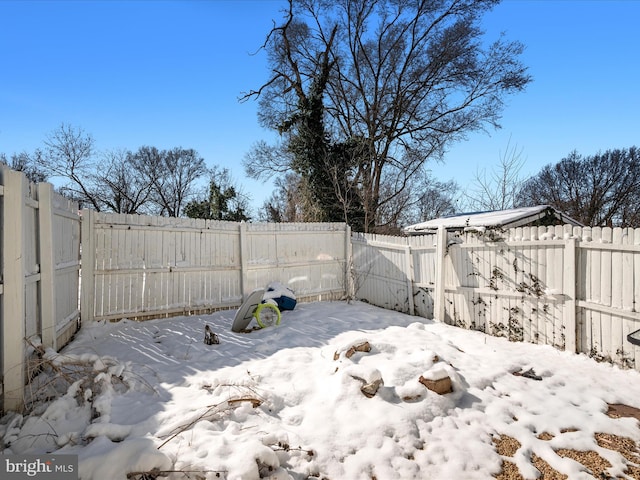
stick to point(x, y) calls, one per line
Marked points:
point(336, 391)
point(283, 296)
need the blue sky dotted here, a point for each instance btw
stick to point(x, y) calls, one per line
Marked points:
point(169, 73)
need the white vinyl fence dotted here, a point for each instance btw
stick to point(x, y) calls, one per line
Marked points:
point(143, 267)
point(574, 288)
point(39, 277)
point(137, 267)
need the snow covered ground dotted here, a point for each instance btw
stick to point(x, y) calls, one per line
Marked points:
point(286, 402)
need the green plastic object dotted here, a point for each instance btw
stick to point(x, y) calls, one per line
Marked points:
point(267, 314)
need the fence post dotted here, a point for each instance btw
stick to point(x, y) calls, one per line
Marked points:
point(87, 263)
point(408, 267)
point(569, 287)
point(244, 254)
point(13, 301)
point(438, 296)
point(348, 264)
point(47, 266)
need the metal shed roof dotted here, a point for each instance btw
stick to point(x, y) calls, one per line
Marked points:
point(515, 217)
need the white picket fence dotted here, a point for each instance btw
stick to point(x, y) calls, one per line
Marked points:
point(574, 288)
point(39, 278)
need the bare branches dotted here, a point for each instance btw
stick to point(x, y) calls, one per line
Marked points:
point(149, 181)
point(597, 190)
point(123, 190)
point(500, 188)
point(276, 31)
point(69, 155)
point(212, 412)
point(407, 78)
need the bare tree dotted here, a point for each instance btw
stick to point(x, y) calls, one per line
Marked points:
point(182, 169)
point(499, 189)
point(122, 189)
point(25, 163)
point(438, 199)
point(405, 78)
point(265, 161)
point(68, 155)
point(290, 201)
point(148, 181)
point(598, 190)
point(423, 199)
point(172, 175)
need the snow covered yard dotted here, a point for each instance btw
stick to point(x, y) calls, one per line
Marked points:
point(289, 402)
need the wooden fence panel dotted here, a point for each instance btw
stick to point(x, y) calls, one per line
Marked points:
point(39, 250)
point(423, 257)
point(632, 325)
point(66, 244)
point(309, 258)
point(608, 280)
point(59, 240)
point(145, 267)
point(381, 272)
point(573, 288)
point(497, 281)
point(13, 297)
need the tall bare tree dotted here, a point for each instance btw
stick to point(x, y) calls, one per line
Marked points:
point(403, 78)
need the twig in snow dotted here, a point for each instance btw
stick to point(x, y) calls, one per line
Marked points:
point(211, 411)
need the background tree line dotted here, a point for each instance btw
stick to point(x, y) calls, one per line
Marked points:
point(597, 190)
point(602, 189)
point(148, 181)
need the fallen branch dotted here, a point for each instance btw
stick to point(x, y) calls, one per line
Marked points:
point(211, 411)
point(255, 402)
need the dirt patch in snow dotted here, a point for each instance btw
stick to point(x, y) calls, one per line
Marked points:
point(594, 463)
point(618, 410)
